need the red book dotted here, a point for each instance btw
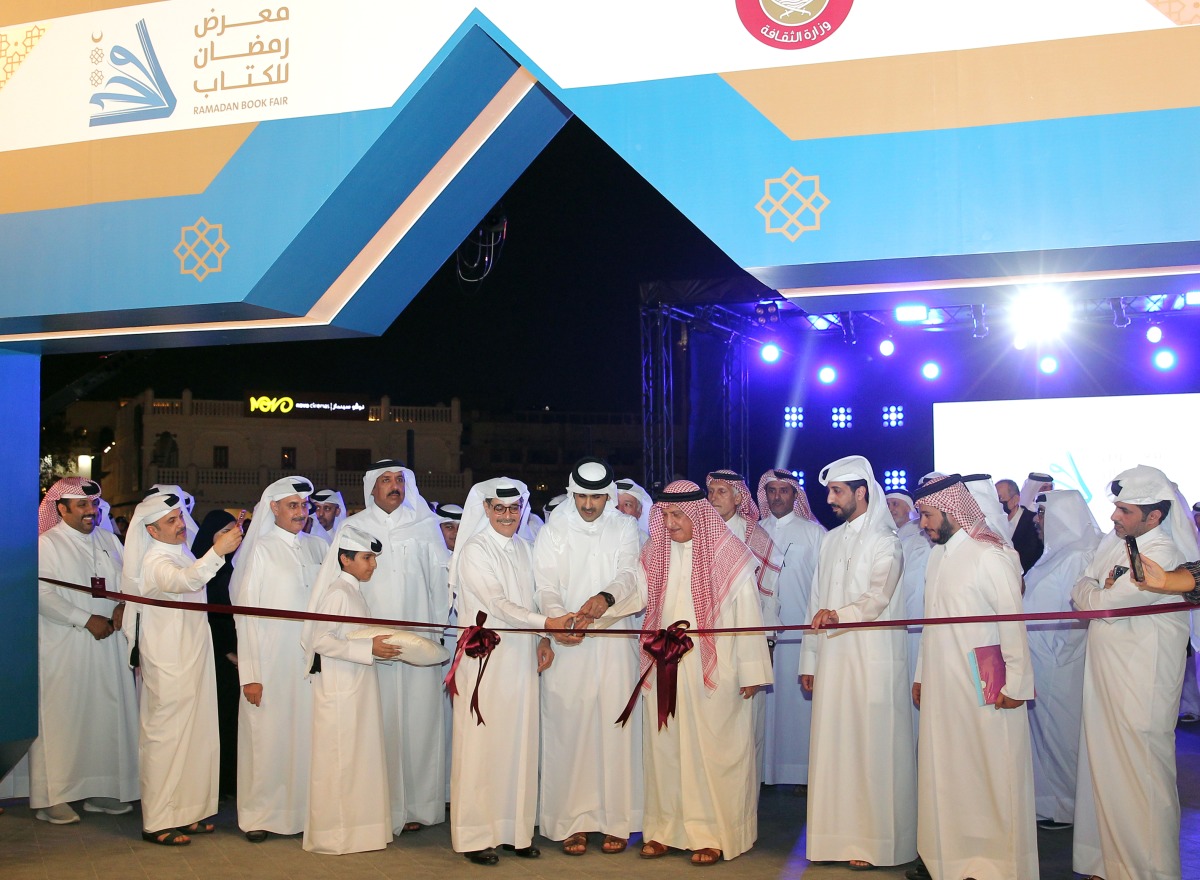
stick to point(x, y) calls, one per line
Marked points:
point(988, 673)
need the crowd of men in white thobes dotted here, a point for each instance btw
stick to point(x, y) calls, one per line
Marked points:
point(945, 746)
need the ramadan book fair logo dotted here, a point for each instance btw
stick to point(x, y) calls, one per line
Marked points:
point(792, 24)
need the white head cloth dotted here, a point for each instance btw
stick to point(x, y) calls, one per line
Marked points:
point(855, 467)
point(187, 503)
point(983, 490)
point(261, 524)
point(1148, 485)
point(345, 538)
point(902, 495)
point(1067, 523)
point(412, 495)
point(590, 476)
point(1033, 487)
point(931, 477)
point(474, 518)
point(138, 541)
point(449, 513)
point(553, 504)
point(629, 487)
point(329, 496)
point(104, 516)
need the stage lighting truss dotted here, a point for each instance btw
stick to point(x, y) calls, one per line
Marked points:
point(793, 417)
point(895, 479)
point(842, 417)
point(893, 416)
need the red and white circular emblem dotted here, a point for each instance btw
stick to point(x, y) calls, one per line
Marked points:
point(792, 24)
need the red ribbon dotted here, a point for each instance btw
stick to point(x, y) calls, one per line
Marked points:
point(478, 642)
point(666, 648)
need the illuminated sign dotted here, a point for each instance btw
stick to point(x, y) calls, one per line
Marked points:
point(306, 405)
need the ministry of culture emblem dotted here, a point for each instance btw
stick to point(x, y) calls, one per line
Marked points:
point(792, 24)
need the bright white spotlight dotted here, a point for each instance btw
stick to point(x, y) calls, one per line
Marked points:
point(827, 375)
point(1192, 298)
point(1164, 359)
point(1048, 364)
point(911, 314)
point(887, 348)
point(1154, 334)
point(1038, 314)
point(769, 352)
point(931, 370)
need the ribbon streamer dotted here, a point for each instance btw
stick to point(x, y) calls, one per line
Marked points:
point(666, 648)
point(478, 642)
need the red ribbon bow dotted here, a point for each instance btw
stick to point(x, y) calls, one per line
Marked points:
point(666, 648)
point(478, 642)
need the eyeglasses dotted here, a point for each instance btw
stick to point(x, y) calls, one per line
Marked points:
point(503, 509)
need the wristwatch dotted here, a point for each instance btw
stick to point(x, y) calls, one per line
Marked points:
point(609, 598)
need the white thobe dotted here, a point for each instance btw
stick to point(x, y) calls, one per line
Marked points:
point(1127, 805)
point(789, 706)
point(274, 737)
point(87, 707)
point(349, 809)
point(410, 584)
point(862, 773)
point(701, 787)
point(975, 812)
point(494, 773)
point(768, 602)
point(591, 766)
point(179, 742)
point(916, 549)
point(1057, 651)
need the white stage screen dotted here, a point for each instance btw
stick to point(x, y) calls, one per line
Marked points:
point(1083, 442)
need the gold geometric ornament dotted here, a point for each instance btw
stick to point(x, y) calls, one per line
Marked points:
point(15, 47)
point(201, 248)
point(1179, 11)
point(792, 204)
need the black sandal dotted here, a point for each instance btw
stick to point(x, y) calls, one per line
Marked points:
point(166, 837)
point(197, 828)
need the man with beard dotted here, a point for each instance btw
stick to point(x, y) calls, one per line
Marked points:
point(275, 568)
point(862, 724)
point(87, 710)
point(586, 559)
point(410, 584)
point(975, 808)
point(329, 512)
point(179, 742)
point(797, 537)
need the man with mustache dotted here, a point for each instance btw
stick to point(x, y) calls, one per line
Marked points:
point(410, 584)
point(87, 711)
point(275, 568)
point(179, 744)
point(329, 512)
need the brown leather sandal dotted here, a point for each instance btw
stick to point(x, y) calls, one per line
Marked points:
point(705, 857)
point(576, 844)
point(613, 845)
point(652, 849)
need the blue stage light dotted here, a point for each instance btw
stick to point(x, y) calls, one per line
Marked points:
point(912, 314)
point(827, 375)
point(799, 475)
point(769, 352)
point(1154, 334)
point(893, 416)
point(931, 370)
point(1048, 364)
point(887, 348)
point(895, 479)
point(1165, 359)
point(793, 417)
point(842, 417)
point(1039, 314)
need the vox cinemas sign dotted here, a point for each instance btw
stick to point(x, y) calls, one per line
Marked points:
point(306, 405)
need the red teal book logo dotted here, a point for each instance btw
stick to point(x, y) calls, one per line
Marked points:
point(792, 24)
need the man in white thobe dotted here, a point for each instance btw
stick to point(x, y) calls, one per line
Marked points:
point(797, 537)
point(329, 512)
point(862, 773)
point(1127, 801)
point(410, 584)
point(179, 745)
point(494, 777)
point(975, 812)
point(915, 546)
point(87, 707)
point(1070, 535)
point(701, 785)
point(275, 568)
point(634, 501)
point(585, 562)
